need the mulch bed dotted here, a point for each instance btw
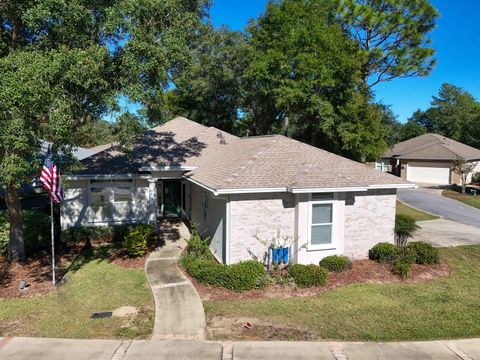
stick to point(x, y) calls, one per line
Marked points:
point(37, 269)
point(363, 271)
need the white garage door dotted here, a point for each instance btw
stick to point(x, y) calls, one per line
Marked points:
point(426, 173)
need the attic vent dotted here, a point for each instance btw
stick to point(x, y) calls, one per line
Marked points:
point(222, 139)
point(219, 134)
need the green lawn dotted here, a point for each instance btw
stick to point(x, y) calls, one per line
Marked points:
point(435, 309)
point(414, 213)
point(95, 285)
point(465, 198)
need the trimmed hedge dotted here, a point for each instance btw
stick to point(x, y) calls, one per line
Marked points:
point(239, 277)
point(308, 275)
point(136, 241)
point(196, 246)
point(336, 263)
point(425, 254)
point(406, 254)
point(383, 252)
point(110, 233)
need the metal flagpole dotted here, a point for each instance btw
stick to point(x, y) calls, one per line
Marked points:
point(53, 241)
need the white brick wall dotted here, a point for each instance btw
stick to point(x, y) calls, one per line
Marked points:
point(261, 215)
point(368, 221)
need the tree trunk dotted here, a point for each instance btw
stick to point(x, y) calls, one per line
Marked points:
point(15, 217)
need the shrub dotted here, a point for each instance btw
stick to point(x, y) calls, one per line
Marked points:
point(336, 263)
point(204, 271)
point(111, 233)
point(476, 177)
point(198, 247)
point(308, 275)
point(402, 268)
point(239, 277)
point(406, 254)
point(383, 252)
point(244, 275)
point(425, 253)
point(405, 227)
point(136, 241)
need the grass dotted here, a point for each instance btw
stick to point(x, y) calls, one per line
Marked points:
point(435, 309)
point(465, 198)
point(93, 285)
point(414, 213)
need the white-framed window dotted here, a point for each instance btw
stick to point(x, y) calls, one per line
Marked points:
point(382, 165)
point(322, 222)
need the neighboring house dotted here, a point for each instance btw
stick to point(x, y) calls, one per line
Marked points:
point(241, 192)
point(428, 158)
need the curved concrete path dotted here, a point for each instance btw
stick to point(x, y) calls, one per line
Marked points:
point(179, 311)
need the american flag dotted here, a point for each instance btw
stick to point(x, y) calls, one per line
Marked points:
point(50, 179)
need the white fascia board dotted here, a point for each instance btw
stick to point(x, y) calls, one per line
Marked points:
point(327, 190)
point(106, 176)
point(167, 168)
point(392, 186)
point(251, 190)
point(201, 185)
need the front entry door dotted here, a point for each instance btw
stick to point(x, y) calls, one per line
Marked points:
point(172, 198)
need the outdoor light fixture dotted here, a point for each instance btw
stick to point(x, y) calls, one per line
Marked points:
point(22, 285)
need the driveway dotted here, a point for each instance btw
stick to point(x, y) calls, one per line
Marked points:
point(444, 233)
point(447, 208)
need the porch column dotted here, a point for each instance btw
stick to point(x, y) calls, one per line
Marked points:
point(152, 201)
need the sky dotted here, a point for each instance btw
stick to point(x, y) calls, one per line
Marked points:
point(456, 40)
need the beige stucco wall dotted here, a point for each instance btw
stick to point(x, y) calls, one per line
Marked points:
point(369, 219)
point(257, 218)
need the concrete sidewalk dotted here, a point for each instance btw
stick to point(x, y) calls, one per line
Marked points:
point(179, 311)
point(57, 349)
point(445, 233)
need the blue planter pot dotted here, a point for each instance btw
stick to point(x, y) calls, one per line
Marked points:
point(285, 255)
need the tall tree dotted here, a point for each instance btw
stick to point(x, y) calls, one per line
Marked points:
point(63, 63)
point(210, 90)
point(393, 35)
point(304, 69)
point(454, 113)
point(410, 130)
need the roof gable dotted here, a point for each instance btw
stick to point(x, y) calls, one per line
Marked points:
point(432, 147)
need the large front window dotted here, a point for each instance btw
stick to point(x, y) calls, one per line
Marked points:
point(111, 200)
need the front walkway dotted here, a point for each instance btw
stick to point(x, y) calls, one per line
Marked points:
point(53, 349)
point(178, 309)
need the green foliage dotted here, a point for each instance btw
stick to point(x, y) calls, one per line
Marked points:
point(37, 231)
point(239, 277)
point(303, 68)
point(244, 275)
point(308, 275)
point(127, 130)
point(210, 89)
point(198, 247)
point(406, 254)
point(392, 36)
point(336, 263)
point(136, 241)
point(402, 268)
point(405, 227)
point(454, 113)
point(110, 233)
point(425, 254)
point(410, 130)
point(383, 252)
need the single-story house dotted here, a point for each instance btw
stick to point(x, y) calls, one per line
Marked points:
point(428, 158)
point(240, 192)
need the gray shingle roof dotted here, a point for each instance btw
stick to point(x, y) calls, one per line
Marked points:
point(432, 147)
point(263, 162)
